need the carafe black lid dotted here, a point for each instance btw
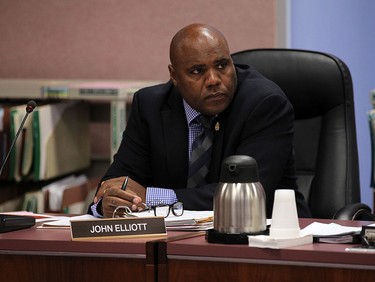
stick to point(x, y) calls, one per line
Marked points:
point(239, 169)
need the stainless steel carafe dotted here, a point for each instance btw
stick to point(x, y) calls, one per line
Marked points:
point(239, 200)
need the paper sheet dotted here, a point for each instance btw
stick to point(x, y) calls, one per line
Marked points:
point(328, 229)
point(64, 221)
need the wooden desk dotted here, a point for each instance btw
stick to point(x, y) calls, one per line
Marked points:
point(194, 259)
point(50, 255)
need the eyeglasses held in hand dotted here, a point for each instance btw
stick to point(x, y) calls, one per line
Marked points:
point(159, 210)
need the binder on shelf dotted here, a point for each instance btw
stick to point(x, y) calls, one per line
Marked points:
point(34, 202)
point(4, 138)
point(55, 92)
point(61, 139)
point(107, 89)
point(21, 157)
point(19, 166)
point(65, 191)
point(118, 123)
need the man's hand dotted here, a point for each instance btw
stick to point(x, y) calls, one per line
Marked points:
point(110, 190)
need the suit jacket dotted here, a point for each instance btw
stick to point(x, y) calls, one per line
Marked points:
point(259, 122)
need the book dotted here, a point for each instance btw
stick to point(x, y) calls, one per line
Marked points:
point(5, 140)
point(34, 202)
point(118, 123)
point(344, 238)
point(1, 133)
point(55, 92)
point(55, 191)
point(61, 139)
point(333, 233)
point(22, 154)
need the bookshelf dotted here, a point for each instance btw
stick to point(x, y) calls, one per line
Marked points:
point(108, 102)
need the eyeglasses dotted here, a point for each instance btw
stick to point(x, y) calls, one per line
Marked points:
point(164, 210)
point(159, 210)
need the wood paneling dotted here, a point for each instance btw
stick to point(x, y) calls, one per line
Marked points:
point(65, 268)
point(207, 271)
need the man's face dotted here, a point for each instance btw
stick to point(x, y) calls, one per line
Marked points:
point(205, 75)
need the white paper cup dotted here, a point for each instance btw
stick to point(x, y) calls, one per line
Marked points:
point(284, 222)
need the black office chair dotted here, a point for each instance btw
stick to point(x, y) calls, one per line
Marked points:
point(319, 86)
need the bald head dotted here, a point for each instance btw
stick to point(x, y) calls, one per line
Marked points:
point(202, 68)
point(195, 36)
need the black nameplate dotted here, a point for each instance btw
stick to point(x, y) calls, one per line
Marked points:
point(118, 228)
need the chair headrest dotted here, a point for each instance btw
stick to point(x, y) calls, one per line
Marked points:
point(314, 82)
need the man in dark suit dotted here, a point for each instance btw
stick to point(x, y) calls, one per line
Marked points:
point(252, 117)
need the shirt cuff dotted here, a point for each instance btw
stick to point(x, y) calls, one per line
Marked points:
point(96, 208)
point(160, 196)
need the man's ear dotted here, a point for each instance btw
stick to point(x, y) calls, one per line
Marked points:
point(172, 74)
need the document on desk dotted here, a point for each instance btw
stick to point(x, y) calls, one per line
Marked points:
point(333, 233)
point(63, 221)
point(327, 229)
point(315, 232)
point(189, 221)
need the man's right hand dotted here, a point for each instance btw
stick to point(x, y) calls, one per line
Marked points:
point(112, 195)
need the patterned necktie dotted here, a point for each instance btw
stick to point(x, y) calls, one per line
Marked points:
point(201, 153)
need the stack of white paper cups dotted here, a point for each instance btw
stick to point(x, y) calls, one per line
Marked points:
point(284, 222)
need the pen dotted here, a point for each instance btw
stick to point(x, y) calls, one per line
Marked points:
point(364, 238)
point(360, 249)
point(125, 183)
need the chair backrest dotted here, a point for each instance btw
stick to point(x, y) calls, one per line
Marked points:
point(319, 86)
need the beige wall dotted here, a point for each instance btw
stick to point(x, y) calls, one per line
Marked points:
point(117, 39)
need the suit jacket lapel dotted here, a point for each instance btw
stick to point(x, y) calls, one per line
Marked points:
point(176, 136)
point(217, 150)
